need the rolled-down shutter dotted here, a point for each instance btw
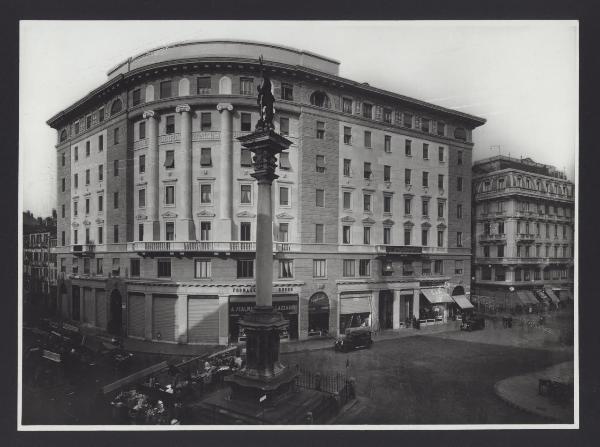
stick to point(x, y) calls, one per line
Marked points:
point(163, 321)
point(101, 308)
point(203, 319)
point(89, 306)
point(355, 305)
point(64, 305)
point(136, 315)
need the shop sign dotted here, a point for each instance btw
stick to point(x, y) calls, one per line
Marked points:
point(253, 290)
point(403, 249)
point(242, 308)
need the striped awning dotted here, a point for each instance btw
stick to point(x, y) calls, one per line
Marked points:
point(551, 294)
point(437, 295)
point(355, 305)
point(462, 301)
point(527, 297)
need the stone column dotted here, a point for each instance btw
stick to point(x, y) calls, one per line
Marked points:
point(182, 318)
point(148, 316)
point(396, 310)
point(264, 376)
point(152, 224)
point(224, 226)
point(223, 319)
point(264, 244)
point(185, 223)
point(416, 293)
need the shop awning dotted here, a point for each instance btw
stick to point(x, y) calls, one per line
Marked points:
point(567, 293)
point(562, 294)
point(527, 297)
point(355, 305)
point(462, 302)
point(551, 294)
point(437, 296)
point(542, 296)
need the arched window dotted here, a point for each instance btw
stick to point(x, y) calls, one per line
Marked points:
point(116, 106)
point(319, 99)
point(528, 183)
point(63, 135)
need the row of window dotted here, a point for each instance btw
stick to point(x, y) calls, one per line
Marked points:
point(245, 268)
point(522, 274)
point(527, 228)
point(542, 209)
point(408, 236)
point(527, 183)
point(367, 204)
point(527, 251)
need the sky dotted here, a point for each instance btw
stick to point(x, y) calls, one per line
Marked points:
point(521, 76)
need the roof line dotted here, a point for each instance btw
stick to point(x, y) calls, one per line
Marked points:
point(299, 68)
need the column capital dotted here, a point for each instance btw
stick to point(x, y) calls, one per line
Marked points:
point(149, 114)
point(224, 106)
point(183, 108)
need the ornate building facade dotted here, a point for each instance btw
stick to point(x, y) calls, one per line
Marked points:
point(524, 227)
point(156, 234)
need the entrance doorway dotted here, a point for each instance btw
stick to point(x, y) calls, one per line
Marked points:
point(75, 304)
point(318, 314)
point(116, 316)
point(386, 309)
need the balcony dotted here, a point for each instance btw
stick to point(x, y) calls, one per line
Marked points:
point(492, 237)
point(525, 237)
point(83, 249)
point(399, 249)
point(523, 260)
point(192, 247)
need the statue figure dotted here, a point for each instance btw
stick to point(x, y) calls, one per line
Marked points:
point(265, 101)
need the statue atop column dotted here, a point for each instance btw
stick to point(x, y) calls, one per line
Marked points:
point(265, 101)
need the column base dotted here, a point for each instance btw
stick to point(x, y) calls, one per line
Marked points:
point(264, 377)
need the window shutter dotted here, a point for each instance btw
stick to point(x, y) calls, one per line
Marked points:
point(398, 118)
point(205, 157)
point(246, 157)
point(320, 162)
point(284, 160)
point(276, 89)
point(357, 107)
point(378, 113)
point(169, 159)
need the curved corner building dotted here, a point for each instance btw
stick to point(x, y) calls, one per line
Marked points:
point(157, 208)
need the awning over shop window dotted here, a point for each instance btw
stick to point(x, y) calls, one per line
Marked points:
point(563, 294)
point(532, 297)
point(551, 294)
point(355, 305)
point(462, 302)
point(437, 296)
point(526, 297)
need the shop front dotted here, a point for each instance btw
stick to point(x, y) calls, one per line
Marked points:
point(355, 311)
point(434, 305)
point(241, 305)
point(318, 315)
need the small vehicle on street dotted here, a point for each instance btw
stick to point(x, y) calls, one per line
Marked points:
point(359, 338)
point(472, 322)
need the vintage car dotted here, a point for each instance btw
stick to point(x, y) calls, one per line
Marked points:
point(358, 338)
point(472, 322)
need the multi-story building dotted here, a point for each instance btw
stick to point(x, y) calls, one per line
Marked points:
point(524, 227)
point(157, 208)
point(39, 267)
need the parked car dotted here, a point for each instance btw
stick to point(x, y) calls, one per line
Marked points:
point(472, 322)
point(359, 338)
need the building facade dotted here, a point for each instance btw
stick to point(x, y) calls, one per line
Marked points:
point(39, 268)
point(157, 208)
point(524, 227)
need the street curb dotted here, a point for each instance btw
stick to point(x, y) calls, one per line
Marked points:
point(523, 408)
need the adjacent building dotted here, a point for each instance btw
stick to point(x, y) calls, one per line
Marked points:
point(157, 208)
point(524, 232)
point(39, 268)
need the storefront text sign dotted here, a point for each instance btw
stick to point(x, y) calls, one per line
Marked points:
point(253, 290)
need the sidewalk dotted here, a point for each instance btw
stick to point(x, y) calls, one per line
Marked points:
point(388, 334)
point(522, 392)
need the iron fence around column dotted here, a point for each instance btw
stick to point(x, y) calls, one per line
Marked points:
point(338, 384)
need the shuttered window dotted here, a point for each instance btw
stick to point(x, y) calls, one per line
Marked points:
point(205, 157)
point(169, 159)
point(284, 160)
